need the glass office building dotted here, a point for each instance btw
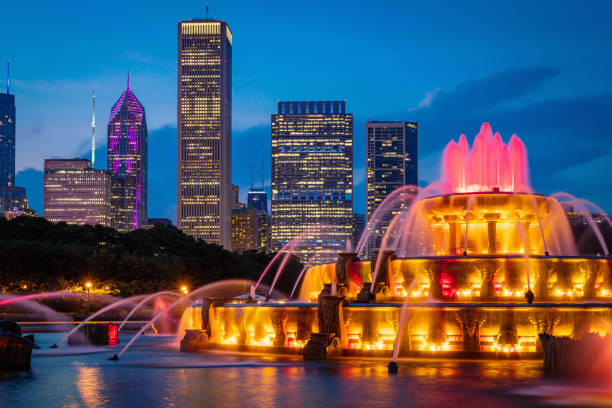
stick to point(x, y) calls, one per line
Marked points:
point(312, 177)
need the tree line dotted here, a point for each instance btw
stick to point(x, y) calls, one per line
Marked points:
point(37, 255)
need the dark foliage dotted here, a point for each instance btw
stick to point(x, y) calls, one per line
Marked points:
point(37, 255)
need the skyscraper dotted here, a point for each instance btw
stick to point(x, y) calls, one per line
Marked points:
point(312, 176)
point(12, 198)
point(236, 204)
point(204, 126)
point(76, 193)
point(127, 162)
point(257, 201)
point(392, 162)
point(358, 226)
point(7, 139)
point(245, 228)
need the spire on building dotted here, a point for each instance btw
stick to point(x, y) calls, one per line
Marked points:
point(128, 80)
point(252, 176)
point(262, 174)
point(93, 128)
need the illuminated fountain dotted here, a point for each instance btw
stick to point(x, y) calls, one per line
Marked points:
point(481, 264)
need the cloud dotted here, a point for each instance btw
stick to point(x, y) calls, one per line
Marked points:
point(137, 56)
point(563, 135)
point(359, 176)
point(492, 90)
point(427, 100)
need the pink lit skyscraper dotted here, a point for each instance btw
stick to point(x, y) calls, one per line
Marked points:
point(127, 162)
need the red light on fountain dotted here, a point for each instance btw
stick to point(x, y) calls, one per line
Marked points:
point(490, 165)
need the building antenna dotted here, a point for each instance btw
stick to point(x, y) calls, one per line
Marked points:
point(8, 77)
point(207, 11)
point(93, 128)
point(128, 81)
point(251, 176)
point(262, 175)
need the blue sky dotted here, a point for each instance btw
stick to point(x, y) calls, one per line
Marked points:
point(537, 69)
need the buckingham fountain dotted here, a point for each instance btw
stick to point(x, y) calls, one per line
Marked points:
point(475, 265)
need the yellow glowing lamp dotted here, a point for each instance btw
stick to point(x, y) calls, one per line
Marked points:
point(184, 289)
point(88, 285)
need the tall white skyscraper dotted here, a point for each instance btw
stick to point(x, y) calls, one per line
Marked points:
point(204, 122)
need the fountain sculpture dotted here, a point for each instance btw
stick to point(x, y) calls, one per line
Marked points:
point(482, 268)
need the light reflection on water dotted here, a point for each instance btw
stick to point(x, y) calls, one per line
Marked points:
point(90, 383)
point(152, 374)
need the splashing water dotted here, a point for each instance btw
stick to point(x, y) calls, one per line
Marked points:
point(490, 165)
point(467, 223)
point(292, 244)
point(402, 320)
point(587, 214)
point(523, 234)
point(98, 313)
point(285, 253)
point(144, 301)
point(227, 288)
point(391, 202)
point(30, 305)
point(311, 261)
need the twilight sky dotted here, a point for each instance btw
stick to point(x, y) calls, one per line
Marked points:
point(537, 69)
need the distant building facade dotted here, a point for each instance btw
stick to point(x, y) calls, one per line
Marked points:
point(162, 221)
point(204, 127)
point(236, 204)
point(358, 226)
point(392, 162)
point(127, 162)
point(245, 227)
point(13, 202)
point(257, 200)
point(76, 193)
point(312, 177)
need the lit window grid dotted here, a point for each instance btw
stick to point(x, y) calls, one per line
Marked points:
point(7, 140)
point(304, 168)
point(245, 231)
point(391, 163)
point(204, 116)
point(77, 196)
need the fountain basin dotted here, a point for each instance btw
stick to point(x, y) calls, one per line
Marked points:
point(445, 329)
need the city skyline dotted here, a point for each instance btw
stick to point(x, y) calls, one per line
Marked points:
point(536, 96)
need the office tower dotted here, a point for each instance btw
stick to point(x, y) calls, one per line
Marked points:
point(13, 202)
point(358, 226)
point(204, 127)
point(257, 201)
point(76, 193)
point(13, 199)
point(312, 177)
point(245, 227)
point(7, 139)
point(392, 162)
point(236, 205)
point(127, 162)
